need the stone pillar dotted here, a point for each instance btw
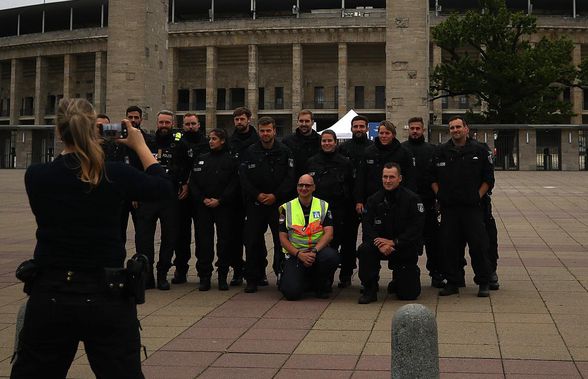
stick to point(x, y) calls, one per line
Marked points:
point(69, 79)
point(297, 94)
point(342, 80)
point(211, 92)
point(577, 95)
point(569, 150)
point(23, 147)
point(172, 80)
point(100, 82)
point(407, 72)
point(137, 57)
point(15, 94)
point(527, 150)
point(252, 91)
point(40, 90)
point(438, 103)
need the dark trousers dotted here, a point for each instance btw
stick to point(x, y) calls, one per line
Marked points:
point(345, 222)
point(124, 220)
point(459, 224)
point(431, 240)
point(56, 321)
point(207, 219)
point(370, 258)
point(259, 217)
point(296, 278)
point(166, 211)
point(492, 232)
point(186, 216)
point(237, 240)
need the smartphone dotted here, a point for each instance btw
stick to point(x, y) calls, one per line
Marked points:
point(113, 131)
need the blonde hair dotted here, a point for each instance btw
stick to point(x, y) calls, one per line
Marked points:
point(76, 123)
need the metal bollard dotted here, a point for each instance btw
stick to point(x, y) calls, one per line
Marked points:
point(415, 352)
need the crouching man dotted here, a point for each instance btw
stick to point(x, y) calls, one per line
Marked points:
point(392, 231)
point(306, 228)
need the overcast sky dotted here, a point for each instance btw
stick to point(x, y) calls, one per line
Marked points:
point(7, 4)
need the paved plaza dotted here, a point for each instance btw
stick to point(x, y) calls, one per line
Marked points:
point(535, 326)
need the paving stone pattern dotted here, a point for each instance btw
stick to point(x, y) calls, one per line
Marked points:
point(535, 326)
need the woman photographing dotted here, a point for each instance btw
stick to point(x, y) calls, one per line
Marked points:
point(78, 291)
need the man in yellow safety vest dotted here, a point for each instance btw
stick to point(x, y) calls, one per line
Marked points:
point(306, 228)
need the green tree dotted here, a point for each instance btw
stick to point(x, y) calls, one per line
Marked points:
point(520, 82)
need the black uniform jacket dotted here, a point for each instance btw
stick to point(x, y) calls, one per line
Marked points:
point(172, 155)
point(369, 176)
point(303, 147)
point(354, 149)
point(397, 215)
point(267, 171)
point(239, 142)
point(215, 175)
point(195, 143)
point(460, 172)
point(422, 152)
point(333, 178)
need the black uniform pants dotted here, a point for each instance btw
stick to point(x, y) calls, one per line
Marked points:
point(296, 278)
point(259, 217)
point(492, 232)
point(124, 220)
point(166, 211)
point(345, 222)
point(431, 240)
point(186, 216)
point(207, 219)
point(369, 262)
point(237, 240)
point(459, 224)
point(54, 323)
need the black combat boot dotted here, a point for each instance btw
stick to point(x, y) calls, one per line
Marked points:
point(180, 277)
point(237, 278)
point(494, 285)
point(483, 290)
point(251, 286)
point(263, 281)
point(370, 294)
point(204, 284)
point(162, 283)
point(449, 289)
point(222, 282)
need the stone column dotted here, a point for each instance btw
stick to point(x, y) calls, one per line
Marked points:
point(342, 80)
point(527, 150)
point(211, 92)
point(438, 103)
point(172, 80)
point(577, 95)
point(69, 80)
point(569, 150)
point(40, 90)
point(297, 92)
point(100, 82)
point(137, 57)
point(407, 73)
point(15, 94)
point(252, 91)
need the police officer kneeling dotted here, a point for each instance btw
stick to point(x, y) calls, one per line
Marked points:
point(306, 228)
point(392, 231)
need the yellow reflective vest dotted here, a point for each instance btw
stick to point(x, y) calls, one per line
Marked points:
point(303, 236)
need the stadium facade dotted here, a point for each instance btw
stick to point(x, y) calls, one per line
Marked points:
point(276, 57)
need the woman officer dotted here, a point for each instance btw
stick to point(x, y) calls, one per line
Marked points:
point(77, 201)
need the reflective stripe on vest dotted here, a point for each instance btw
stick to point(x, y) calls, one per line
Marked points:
point(305, 236)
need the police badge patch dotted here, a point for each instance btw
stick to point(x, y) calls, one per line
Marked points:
point(421, 207)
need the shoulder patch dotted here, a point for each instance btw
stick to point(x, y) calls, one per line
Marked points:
point(291, 162)
point(420, 207)
point(178, 136)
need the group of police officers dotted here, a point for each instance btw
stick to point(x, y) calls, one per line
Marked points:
point(408, 196)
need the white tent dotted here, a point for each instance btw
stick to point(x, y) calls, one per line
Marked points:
point(343, 127)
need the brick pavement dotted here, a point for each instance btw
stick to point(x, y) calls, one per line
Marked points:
point(534, 326)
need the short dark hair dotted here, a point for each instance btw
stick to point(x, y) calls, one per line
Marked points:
point(416, 119)
point(134, 108)
point(390, 165)
point(465, 123)
point(166, 113)
point(190, 114)
point(331, 132)
point(220, 133)
point(266, 120)
point(305, 111)
point(242, 111)
point(103, 115)
point(360, 118)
